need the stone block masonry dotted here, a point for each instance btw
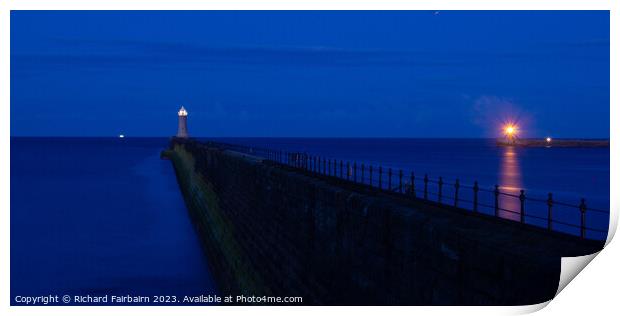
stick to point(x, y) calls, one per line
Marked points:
point(271, 230)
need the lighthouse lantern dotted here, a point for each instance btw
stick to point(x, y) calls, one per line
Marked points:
point(182, 131)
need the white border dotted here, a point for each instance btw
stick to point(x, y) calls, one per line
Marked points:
point(593, 292)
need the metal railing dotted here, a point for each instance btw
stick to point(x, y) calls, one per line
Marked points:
point(507, 203)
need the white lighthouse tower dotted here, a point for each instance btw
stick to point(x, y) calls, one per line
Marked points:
point(182, 131)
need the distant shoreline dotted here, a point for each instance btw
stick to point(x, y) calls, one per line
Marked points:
point(561, 142)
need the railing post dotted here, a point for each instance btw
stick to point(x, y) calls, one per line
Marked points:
point(549, 211)
point(314, 165)
point(380, 177)
point(456, 193)
point(317, 165)
point(582, 209)
point(324, 166)
point(476, 188)
point(522, 199)
point(335, 169)
point(329, 167)
point(341, 169)
point(440, 184)
point(348, 170)
point(355, 172)
point(362, 176)
point(389, 179)
point(370, 175)
point(496, 191)
point(400, 181)
point(426, 186)
point(412, 184)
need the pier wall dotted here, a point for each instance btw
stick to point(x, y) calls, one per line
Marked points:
point(269, 230)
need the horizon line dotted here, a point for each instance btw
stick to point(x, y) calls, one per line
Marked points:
point(309, 137)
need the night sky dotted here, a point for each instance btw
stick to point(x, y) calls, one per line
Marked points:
point(312, 73)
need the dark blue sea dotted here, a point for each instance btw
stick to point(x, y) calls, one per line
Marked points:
point(105, 215)
point(100, 216)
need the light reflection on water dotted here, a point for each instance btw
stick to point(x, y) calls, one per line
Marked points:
point(510, 182)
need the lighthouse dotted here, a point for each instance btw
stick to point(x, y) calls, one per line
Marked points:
point(182, 131)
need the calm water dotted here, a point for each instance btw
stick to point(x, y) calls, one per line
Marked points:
point(100, 216)
point(105, 216)
point(569, 173)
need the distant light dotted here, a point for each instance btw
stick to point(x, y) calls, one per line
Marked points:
point(510, 130)
point(548, 139)
point(121, 136)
